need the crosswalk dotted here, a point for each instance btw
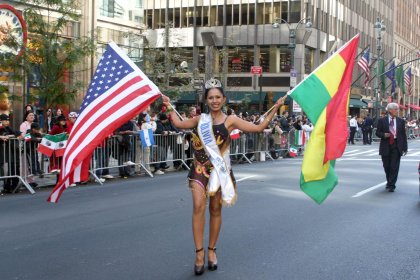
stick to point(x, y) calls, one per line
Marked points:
point(372, 153)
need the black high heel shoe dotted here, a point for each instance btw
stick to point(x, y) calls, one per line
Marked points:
point(212, 266)
point(199, 269)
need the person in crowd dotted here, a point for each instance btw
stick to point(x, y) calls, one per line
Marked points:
point(58, 127)
point(307, 126)
point(26, 124)
point(70, 122)
point(146, 151)
point(9, 154)
point(211, 134)
point(277, 132)
point(124, 138)
point(164, 142)
point(31, 149)
point(298, 124)
point(192, 112)
point(393, 145)
point(49, 120)
point(24, 128)
point(367, 128)
point(58, 113)
point(284, 122)
point(353, 129)
point(30, 108)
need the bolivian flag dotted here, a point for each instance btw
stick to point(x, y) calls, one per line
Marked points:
point(324, 97)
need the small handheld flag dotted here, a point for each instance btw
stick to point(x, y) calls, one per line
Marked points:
point(146, 137)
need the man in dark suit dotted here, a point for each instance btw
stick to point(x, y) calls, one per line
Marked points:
point(367, 130)
point(391, 130)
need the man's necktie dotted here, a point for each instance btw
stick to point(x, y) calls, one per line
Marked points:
point(392, 130)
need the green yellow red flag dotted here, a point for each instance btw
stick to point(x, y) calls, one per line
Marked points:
point(324, 97)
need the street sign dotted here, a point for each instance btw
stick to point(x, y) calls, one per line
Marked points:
point(256, 70)
point(296, 107)
point(293, 78)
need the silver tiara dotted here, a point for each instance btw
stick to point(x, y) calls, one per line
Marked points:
point(212, 83)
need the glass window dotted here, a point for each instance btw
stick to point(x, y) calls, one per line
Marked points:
point(309, 56)
point(275, 59)
point(295, 7)
point(177, 17)
point(170, 16)
point(240, 59)
point(219, 15)
point(251, 14)
point(206, 16)
point(228, 15)
point(244, 14)
point(236, 16)
point(213, 16)
point(184, 17)
point(149, 18)
point(260, 12)
point(284, 10)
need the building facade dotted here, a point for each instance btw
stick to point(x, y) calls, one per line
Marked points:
point(406, 49)
point(224, 38)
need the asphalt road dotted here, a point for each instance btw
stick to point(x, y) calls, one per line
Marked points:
point(140, 228)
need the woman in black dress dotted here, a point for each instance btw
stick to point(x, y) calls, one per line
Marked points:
point(221, 188)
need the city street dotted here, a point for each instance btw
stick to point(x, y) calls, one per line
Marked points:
point(140, 228)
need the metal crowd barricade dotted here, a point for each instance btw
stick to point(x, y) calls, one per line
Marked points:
point(122, 152)
point(169, 148)
point(13, 162)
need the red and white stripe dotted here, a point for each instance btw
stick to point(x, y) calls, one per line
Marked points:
point(126, 99)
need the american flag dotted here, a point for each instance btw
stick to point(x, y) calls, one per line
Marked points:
point(407, 81)
point(118, 91)
point(363, 63)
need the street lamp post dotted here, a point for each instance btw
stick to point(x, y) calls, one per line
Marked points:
point(293, 40)
point(380, 28)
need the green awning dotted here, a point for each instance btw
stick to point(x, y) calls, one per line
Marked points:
point(356, 103)
point(187, 97)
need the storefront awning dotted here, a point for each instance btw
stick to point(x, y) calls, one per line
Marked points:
point(356, 103)
point(187, 97)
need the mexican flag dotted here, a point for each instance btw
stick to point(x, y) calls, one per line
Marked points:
point(28, 137)
point(235, 134)
point(51, 143)
point(293, 151)
point(300, 137)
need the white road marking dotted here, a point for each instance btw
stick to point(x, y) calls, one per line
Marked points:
point(376, 159)
point(349, 152)
point(364, 152)
point(245, 178)
point(369, 189)
point(413, 154)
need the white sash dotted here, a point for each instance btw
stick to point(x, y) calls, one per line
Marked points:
point(221, 164)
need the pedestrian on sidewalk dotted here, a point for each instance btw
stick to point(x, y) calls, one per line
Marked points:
point(212, 176)
point(353, 129)
point(391, 130)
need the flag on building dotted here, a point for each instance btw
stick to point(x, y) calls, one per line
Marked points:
point(407, 81)
point(146, 137)
point(324, 97)
point(52, 143)
point(363, 63)
point(300, 137)
point(381, 70)
point(235, 134)
point(118, 91)
point(391, 75)
point(293, 151)
point(399, 77)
